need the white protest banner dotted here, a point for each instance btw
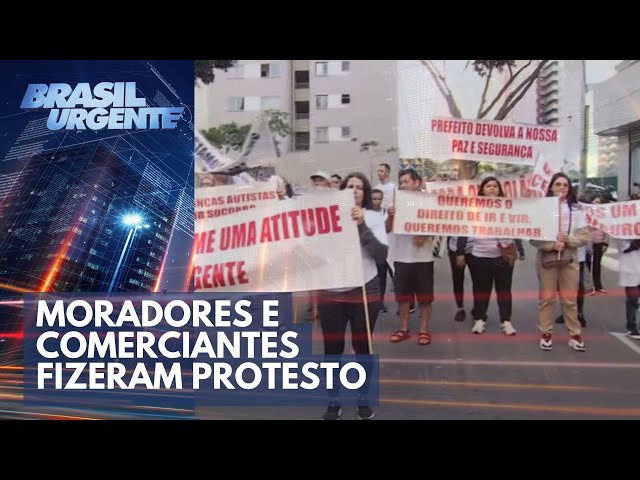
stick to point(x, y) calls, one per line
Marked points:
point(213, 202)
point(288, 246)
point(619, 220)
point(208, 158)
point(546, 167)
point(513, 187)
point(486, 141)
point(419, 213)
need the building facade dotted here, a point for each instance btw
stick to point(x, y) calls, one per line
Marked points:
point(333, 107)
point(561, 92)
point(616, 114)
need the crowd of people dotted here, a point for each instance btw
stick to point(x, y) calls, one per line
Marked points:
point(568, 268)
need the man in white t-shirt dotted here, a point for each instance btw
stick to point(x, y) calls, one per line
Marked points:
point(377, 197)
point(386, 186)
point(413, 262)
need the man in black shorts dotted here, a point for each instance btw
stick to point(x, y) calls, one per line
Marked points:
point(413, 261)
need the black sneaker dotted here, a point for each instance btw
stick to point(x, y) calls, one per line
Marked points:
point(460, 315)
point(560, 319)
point(635, 334)
point(365, 413)
point(333, 413)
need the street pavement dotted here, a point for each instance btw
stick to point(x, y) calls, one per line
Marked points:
point(491, 376)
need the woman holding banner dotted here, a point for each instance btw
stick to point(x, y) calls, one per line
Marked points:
point(558, 267)
point(489, 266)
point(339, 307)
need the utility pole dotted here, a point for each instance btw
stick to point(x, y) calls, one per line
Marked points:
point(582, 168)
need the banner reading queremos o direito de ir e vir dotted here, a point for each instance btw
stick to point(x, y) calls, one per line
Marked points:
point(419, 213)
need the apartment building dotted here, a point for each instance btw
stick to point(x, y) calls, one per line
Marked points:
point(560, 102)
point(333, 107)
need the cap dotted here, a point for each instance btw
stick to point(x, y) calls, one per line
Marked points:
point(321, 174)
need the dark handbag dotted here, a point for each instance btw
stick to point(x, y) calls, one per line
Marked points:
point(555, 259)
point(509, 253)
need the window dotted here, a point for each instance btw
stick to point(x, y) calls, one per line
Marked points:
point(268, 103)
point(302, 110)
point(346, 132)
point(301, 141)
point(235, 104)
point(346, 65)
point(346, 99)
point(322, 69)
point(322, 135)
point(322, 102)
point(269, 70)
point(302, 78)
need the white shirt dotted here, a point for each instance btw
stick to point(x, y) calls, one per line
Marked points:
point(629, 265)
point(488, 247)
point(388, 193)
point(402, 249)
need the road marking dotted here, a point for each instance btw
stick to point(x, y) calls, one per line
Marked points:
point(625, 412)
point(496, 385)
point(503, 363)
point(627, 341)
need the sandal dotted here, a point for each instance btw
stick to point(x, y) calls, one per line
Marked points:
point(400, 336)
point(424, 338)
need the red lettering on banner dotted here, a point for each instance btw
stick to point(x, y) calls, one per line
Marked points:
point(213, 276)
point(618, 211)
point(204, 241)
point(238, 236)
point(209, 202)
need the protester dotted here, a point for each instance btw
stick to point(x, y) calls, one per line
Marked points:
point(558, 267)
point(339, 307)
point(489, 267)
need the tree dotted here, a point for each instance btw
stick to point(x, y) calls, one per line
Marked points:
point(231, 136)
point(500, 106)
point(228, 136)
point(278, 124)
point(204, 69)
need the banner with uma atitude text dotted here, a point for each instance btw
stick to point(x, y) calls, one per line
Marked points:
point(310, 243)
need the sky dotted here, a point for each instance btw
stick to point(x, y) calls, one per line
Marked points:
point(600, 70)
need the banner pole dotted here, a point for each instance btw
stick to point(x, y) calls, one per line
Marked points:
point(366, 318)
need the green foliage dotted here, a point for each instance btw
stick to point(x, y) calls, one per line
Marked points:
point(485, 67)
point(204, 69)
point(278, 122)
point(228, 136)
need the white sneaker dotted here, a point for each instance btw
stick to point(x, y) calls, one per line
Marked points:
point(478, 326)
point(577, 343)
point(545, 341)
point(507, 328)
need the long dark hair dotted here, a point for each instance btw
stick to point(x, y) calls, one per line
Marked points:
point(487, 180)
point(572, 199)
point(367, 203)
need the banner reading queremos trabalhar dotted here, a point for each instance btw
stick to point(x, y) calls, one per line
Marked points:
point(214, 202)
point(619, 220)
point(479, 140)
point(310, 243)
point(420, 213)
